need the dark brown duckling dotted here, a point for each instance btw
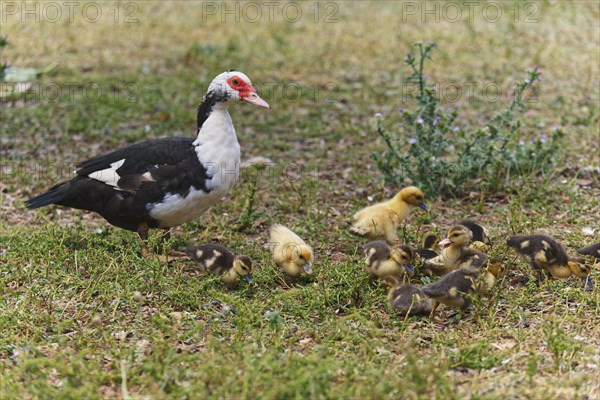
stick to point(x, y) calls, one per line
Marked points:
point(457, 288)
point(593, 250)
point(480, 239)
point(430, 247)
point(407, 299)
point(218, 260)
point(543, 253)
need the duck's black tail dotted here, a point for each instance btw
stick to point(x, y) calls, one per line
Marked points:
point(53, 196)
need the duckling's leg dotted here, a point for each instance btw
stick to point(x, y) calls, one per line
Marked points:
point(432, 314)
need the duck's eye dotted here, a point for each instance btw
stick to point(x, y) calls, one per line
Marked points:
point(301, 257)
point(235, 82)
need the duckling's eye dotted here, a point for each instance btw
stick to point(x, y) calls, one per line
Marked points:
point(301, 257)
point(235, 82)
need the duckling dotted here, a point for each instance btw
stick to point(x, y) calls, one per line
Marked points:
point(454, 289)
point(488, 279)
point(543, 253)
point(480, 239)
point(290, 252)
point(455, 253)
point(382, 219)
point(381, 260)
point(593, 250)
point(218, 260)
point(430, 244)
point(407, 299)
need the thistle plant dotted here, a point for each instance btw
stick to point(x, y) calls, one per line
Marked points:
point(446, 159)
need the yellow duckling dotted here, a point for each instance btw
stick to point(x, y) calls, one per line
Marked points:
point(290, 252)
point(543, 253)
point(218, 260)
point(407, 299)
point(381, 260)
point(455, 253)
point(381, 220)
point(488, 279)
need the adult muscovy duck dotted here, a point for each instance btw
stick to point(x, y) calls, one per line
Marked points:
point(165, 182)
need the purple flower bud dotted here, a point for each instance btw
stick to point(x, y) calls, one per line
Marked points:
point(408, 55)
point(431, 43)
point(455, 129)
point(539, 78)
point(412, 140)
point(378, 115)
point(419, 120)
point(401, 110)
point(527, 81)
point(437, 117)
point(535, 68)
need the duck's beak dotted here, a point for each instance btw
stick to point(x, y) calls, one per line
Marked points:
point(253, 98)
point(249, 278)
point(445, 243)
point(307, 268)
point(423, 206)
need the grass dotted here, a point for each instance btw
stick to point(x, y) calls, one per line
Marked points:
point(83, 316)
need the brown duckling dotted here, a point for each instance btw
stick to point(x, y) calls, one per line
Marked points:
point(218, 260)
point(457, 288)
point(429, 249)
point(381, 260)
point(593, 250)
point(543, 253)
point(480, 239)
point(407, 299)
point(381, 220)
point(290, 252)
point(455, 252)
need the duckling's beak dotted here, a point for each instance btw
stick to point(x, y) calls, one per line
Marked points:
point(307, 268)
point(445, 243)
point(249, 278)
point(409, 268)
point(589, 285)
point(423, 206)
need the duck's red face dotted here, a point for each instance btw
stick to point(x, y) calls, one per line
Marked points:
point(246, 92)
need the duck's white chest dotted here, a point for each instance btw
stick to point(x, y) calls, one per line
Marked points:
point(218, 151)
